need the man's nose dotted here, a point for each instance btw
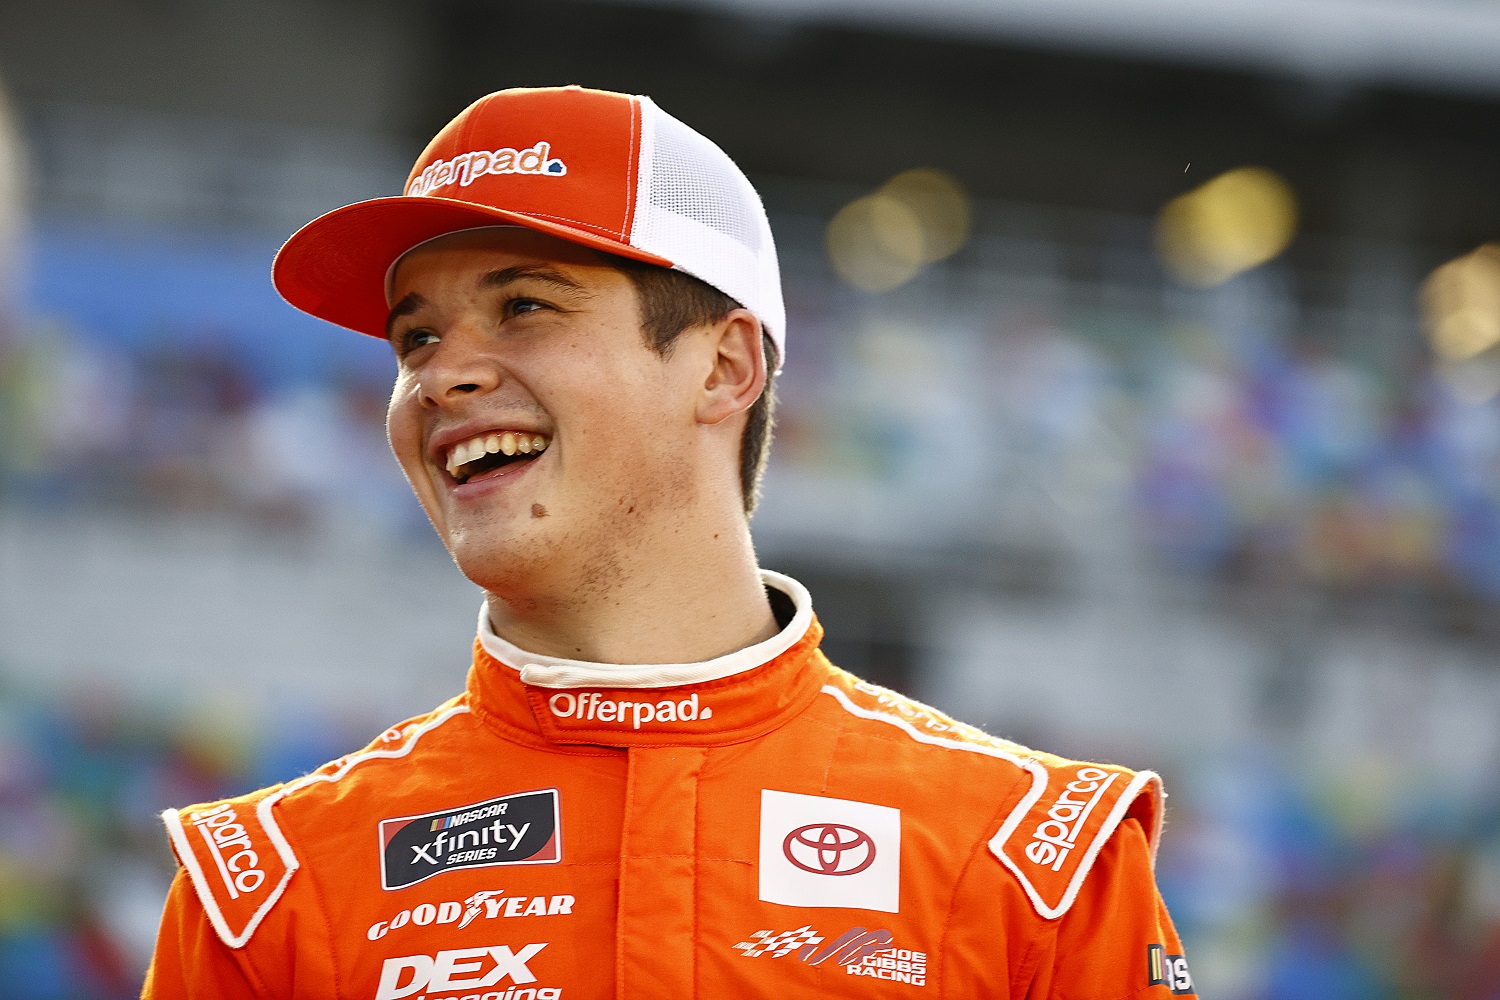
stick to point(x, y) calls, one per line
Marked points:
point(459, 369)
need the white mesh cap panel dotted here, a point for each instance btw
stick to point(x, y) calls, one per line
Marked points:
point(698, 210)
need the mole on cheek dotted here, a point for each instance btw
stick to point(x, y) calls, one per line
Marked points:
point(537, 510)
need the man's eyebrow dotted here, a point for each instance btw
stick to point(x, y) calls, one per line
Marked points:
point(546, 275)
point(408, 305)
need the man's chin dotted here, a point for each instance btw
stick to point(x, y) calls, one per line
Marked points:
point(501, 566)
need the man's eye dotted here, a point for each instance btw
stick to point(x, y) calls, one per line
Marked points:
point(520, 307)
point(413, 339)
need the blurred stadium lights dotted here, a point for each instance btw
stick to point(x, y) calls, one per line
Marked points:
point(1444, 45)
point(1239, 220)
point(940, 205)
point(1461, 304)
point(1461, 313)
point(882, 240)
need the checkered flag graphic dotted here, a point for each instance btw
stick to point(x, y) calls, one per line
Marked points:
point(778, 945)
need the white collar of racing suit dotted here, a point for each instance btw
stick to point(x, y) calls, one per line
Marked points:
point(556, 672)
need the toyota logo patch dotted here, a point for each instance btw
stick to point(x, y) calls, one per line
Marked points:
point(829, 849)
point(806, 838)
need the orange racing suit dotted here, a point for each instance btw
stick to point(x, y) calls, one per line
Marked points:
point(760, 825)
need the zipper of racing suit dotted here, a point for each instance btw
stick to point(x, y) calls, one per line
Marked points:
point(655, 934)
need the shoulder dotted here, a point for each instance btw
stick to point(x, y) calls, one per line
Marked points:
point(1056, 814)
point(1052, 837)
point(920, 729)
point(239, 853)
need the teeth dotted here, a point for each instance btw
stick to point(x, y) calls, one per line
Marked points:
point(506, 443)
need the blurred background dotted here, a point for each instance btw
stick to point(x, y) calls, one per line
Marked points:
point(1141, 404)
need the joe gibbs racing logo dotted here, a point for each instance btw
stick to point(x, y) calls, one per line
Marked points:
point(1056, 837)
point(594, 707)
point(858, 951)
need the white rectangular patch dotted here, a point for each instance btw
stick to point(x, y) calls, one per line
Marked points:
point(818, 851)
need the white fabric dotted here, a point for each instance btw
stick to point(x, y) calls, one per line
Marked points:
point(556, 672)
point(696, 208)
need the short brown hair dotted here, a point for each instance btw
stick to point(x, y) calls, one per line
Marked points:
point(672, 302)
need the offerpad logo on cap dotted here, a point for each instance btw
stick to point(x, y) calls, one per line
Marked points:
point(818, 851)
point(519, 829)
point(465, 168)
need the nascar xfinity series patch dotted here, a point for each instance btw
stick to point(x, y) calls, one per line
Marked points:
point(520, 829)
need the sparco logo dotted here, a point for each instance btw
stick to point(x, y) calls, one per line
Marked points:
point(463, 969)
point(519, 829)
point(1054, 839)
point(229, 845)
point(829, 849)
point(592, 706)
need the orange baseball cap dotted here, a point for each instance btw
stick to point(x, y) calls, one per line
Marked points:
point(605, 170)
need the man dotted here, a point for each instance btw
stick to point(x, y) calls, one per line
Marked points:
point(655, 785)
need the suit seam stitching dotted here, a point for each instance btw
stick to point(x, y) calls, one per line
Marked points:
point(259, 980)
point(833, 751)
point(697, 882)
point(974, 853)
point(620, 902)
point(322, 901)
point(1034, 953)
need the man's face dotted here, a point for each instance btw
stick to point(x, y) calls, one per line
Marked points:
point(512, 341)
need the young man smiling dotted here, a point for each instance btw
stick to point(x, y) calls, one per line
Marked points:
point(654, 785)
point(616, 533)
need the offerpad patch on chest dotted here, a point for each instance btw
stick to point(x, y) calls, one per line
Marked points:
point(520, 829)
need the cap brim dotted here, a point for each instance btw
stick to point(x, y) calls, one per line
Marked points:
point(335, 266)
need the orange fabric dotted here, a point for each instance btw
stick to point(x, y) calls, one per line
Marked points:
point(784, 831)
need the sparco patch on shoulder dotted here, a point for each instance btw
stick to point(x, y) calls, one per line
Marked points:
point(1056, 831)
point(237, 863)
point(519, 829)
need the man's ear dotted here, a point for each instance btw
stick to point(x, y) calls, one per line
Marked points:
point(738, 374)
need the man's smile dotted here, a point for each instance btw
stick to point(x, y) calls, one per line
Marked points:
point(486, 452)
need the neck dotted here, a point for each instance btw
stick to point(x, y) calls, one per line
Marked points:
point(692, 599)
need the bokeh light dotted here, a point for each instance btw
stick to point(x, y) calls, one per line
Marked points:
point(874, 243)
point(1461, 305)
point(1235, 222)
point(941, 207)
point(880, 242)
